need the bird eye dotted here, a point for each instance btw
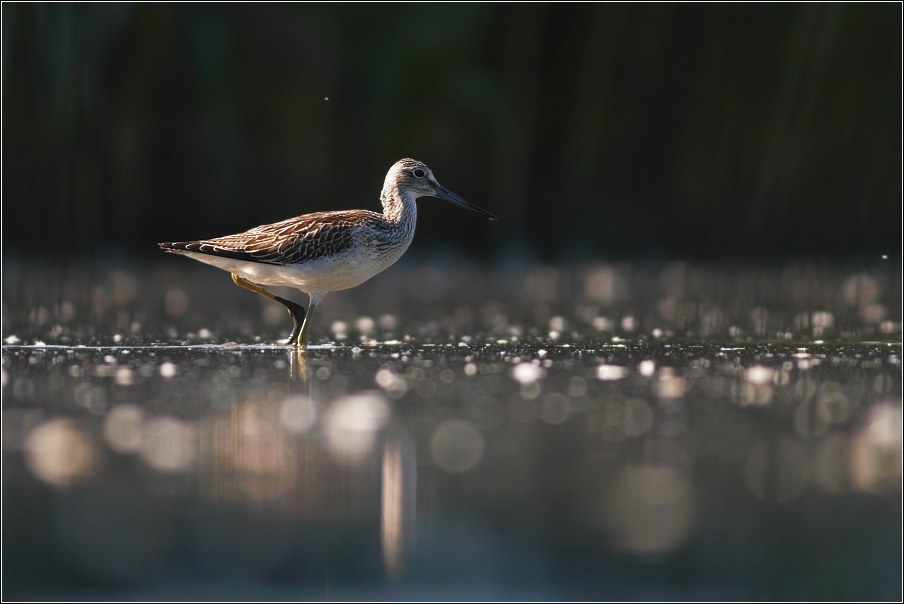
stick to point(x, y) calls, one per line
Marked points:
point(419, 173)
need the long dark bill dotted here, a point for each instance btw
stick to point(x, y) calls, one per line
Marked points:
point(444, 193)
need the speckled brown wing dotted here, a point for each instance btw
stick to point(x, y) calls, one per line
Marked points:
point(291, 241)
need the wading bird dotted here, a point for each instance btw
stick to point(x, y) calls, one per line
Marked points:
point(325, 251)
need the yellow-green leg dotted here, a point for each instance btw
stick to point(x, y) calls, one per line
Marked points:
point(299, 317)
point(303, 336)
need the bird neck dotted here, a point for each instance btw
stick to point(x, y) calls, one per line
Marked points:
point(398, 207)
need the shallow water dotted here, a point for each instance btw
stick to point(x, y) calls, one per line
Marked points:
point(510, 446)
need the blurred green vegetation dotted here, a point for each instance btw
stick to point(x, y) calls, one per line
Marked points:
point(590, 130)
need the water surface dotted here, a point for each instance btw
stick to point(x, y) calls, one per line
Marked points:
point(512, 445)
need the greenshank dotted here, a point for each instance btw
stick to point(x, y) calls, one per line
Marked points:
point(325, 251)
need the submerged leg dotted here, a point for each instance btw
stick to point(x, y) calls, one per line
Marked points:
point(296, 310)
point(298, 368)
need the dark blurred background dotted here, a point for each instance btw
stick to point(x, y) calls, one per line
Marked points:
point(645, 131)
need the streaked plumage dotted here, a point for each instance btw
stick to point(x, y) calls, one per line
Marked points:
point(325, 251)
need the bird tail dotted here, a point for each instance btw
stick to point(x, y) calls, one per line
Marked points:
point(180, 246)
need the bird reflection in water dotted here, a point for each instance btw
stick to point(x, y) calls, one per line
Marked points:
point(399, 499)
point(298, 366)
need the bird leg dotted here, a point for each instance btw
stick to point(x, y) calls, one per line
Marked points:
point(303, 336)
point(295, 310)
